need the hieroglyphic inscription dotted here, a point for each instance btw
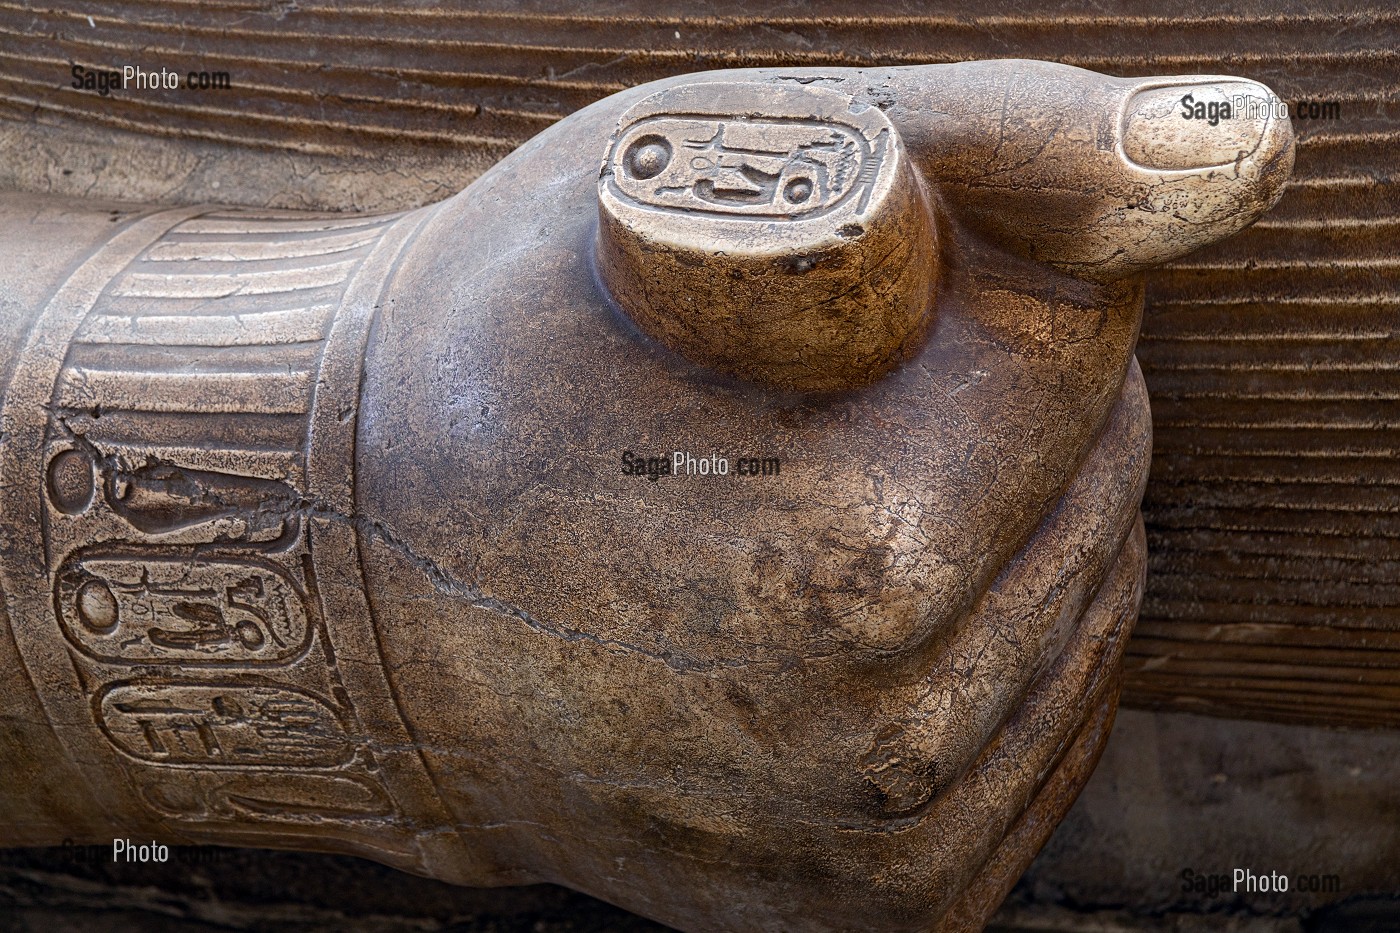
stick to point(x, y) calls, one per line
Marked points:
point(135, 610)
point(191, 385)
point(185, 401)
point(743, 168)
point(158, 498)
point(222, 724)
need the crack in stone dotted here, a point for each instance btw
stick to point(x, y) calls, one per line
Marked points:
point(442, 580)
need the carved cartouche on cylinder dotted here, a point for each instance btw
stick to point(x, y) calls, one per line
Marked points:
point(321, 531)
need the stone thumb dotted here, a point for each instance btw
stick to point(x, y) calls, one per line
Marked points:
point(1099, 176)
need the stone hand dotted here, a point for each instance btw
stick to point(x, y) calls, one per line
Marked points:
point(726, 506)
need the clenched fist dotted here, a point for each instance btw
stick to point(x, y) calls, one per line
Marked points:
point(726, 506)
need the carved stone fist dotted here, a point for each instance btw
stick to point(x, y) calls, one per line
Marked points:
point(745, 531)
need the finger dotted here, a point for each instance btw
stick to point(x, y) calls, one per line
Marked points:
point(1048, 748)
point(774, 224)
point(1021, 625)
point(1099, 176)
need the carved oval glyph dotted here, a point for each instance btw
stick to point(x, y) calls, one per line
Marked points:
point(223, 724)
point(763, 168)
point(125, 610)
